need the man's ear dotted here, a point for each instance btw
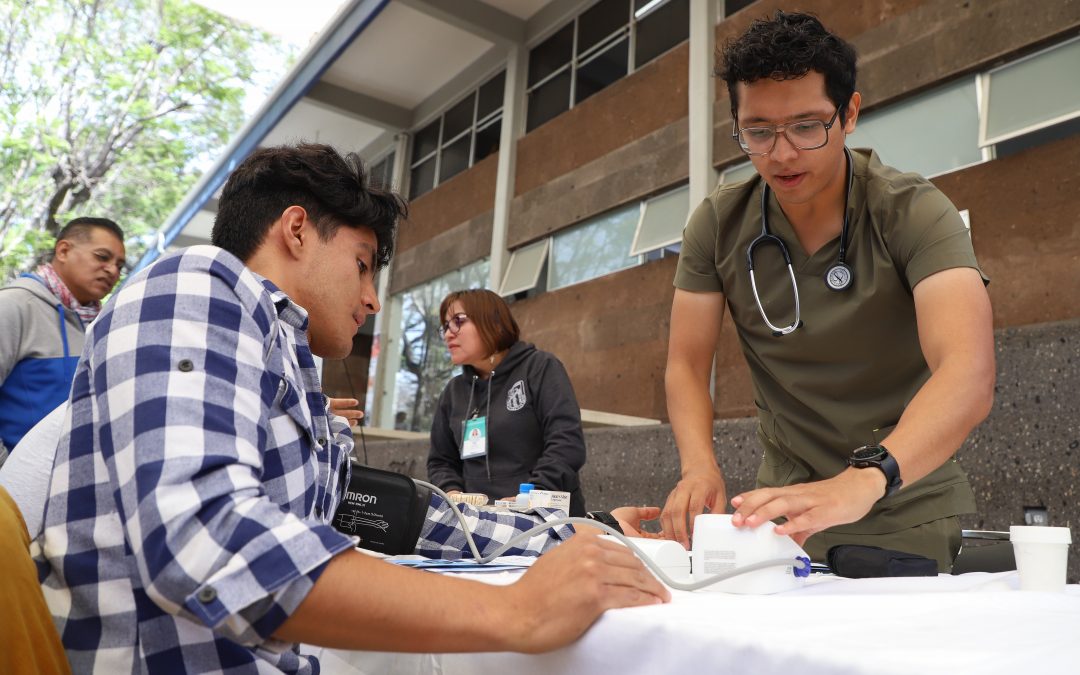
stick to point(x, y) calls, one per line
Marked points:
point(851, 112)
point(293, 230)
point(62, 249)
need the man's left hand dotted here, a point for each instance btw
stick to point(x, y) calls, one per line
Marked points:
point(811, 507)
point(347, 408)
point(630, 518)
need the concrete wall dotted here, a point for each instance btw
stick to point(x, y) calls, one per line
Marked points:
point(1027, 452)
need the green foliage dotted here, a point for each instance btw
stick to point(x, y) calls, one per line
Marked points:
point(115, 113)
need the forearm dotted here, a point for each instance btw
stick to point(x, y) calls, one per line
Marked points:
point(956, 398)
point(361, 602)
point(691, 412)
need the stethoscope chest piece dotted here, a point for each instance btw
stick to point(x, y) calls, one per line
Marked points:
point(838, 277)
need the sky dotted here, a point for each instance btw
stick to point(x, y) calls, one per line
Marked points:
point(280, 17)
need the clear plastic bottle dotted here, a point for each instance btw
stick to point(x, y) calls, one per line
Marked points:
point(522, 501)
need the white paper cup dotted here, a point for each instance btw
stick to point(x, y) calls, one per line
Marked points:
point(1041, 555)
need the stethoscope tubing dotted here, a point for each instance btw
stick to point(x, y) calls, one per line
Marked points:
point(767, 237)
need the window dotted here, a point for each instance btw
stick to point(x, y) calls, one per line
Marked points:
point(381, 173)
point(659, 27)
point(662, 221)
point(738, 173)
point(523, 270)
point(464, 134)
point(598, 48)
point(929, 134)
point(594, 248)
point(425, 364)
point(1032, 93)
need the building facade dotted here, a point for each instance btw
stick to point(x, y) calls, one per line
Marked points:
point(563, 177)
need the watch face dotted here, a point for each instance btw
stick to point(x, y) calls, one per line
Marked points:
point(867, 452)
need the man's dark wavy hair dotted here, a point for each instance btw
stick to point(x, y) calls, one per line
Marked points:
point(787, 47)
point(332, 189)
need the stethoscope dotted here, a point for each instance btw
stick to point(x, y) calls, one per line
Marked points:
point(837, 278)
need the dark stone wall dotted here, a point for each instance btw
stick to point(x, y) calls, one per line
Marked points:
point(1026, 453)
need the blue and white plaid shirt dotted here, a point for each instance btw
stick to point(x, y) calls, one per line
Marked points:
point(196, 477)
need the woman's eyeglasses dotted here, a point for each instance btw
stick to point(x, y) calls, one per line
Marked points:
point(453, 326)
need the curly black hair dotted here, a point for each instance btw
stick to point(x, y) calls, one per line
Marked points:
point(787, 47)
point(333, 190)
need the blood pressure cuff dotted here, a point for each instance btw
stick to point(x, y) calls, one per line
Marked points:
point(864, 562)
point(385, 509)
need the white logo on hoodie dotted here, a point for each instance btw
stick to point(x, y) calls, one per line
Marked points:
point(515, 398)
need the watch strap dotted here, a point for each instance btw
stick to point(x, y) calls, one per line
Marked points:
point(885, 462)
point(605, 518)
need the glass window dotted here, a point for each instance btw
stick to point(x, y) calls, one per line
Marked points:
point(596, 247)
point(662, 221)
point(929, 134)
point(459, 118)
point(739, 172)
point(490, 97)
point(458, 130)
point(551, 54)
point(487, 140)
point(523, 270)
point(1033, 92)
point(732, 6)
point(1017, 144)
point(422, 178)
point(425, 364)
point(382, 173)
point(455, 158)
point(548, 100)
point(425, 141)
point(601, 70)
point(660, 30)
point(599, 22)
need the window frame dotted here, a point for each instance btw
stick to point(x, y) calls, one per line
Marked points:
point(985, 79)
point(475, 126)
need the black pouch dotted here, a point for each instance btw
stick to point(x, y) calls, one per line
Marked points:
point(385, 509)
point(865, 562)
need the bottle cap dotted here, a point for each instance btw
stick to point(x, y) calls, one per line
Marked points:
point(525, 487)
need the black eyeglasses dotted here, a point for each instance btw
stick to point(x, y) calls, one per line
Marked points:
point(453, 326)
point(804, 135)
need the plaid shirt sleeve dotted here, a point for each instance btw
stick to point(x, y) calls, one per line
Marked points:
point(441, 535)
point(182, 368)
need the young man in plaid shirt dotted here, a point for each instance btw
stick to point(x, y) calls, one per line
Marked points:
point(188, 521)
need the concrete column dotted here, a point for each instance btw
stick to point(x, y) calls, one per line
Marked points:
point(513, 123)
point(702, 92)
point(388, 321)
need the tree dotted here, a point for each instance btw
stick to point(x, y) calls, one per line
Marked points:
point(113, 107)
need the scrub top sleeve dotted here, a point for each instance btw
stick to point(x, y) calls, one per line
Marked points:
point(933, 237)
point(697, 257)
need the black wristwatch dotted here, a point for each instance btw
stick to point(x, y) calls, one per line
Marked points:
point(878, 456)
point(605, 518)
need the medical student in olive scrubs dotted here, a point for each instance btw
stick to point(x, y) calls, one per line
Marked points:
point(871, 352)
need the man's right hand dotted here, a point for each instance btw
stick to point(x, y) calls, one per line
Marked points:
point(697, 490)
point(570, 586)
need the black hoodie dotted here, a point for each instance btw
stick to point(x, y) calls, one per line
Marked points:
point(533, 429)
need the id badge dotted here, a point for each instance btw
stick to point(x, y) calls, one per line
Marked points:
point(475, 443)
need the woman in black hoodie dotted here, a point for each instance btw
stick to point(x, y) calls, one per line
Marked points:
point(511, 417)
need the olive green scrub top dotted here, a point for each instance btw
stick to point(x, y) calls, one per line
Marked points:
point(844, 377)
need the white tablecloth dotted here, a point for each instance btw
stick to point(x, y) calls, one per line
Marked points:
point(973, 623)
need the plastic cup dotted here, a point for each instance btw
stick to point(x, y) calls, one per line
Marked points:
point(1041, 556)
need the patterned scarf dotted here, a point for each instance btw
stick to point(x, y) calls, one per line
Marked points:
point(58, 288)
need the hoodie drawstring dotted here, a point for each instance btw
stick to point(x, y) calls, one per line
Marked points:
point(487, 425)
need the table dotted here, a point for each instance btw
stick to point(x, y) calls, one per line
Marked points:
point(971, 623)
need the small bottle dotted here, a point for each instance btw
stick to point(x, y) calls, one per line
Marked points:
point(522, 501)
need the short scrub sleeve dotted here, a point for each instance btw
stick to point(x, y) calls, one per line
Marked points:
point(929, 235)
point(697, 257)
